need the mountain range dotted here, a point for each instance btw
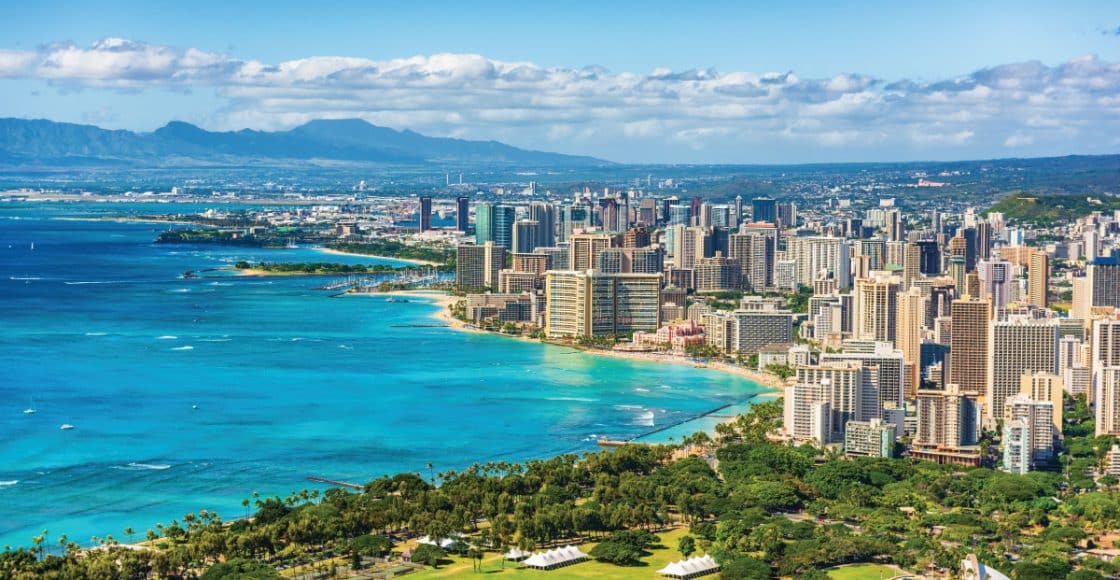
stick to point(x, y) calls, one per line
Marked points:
point(28, 143)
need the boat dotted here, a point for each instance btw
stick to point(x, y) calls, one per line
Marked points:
point(395, 299)
point(66, 427)
point(30, 410)
point(32, 246)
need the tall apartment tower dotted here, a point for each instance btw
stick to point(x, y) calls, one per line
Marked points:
point(912, 310)
point(764, 209)
point(462, 213)
point(1106, 407)
point(1038, 278)
point(1019, 345)
point(545, 215)
point(969, 346)
point(1103, 279)
point(1105, 353)
point(1045, 387)
point(477, 266)
point(425, 213)
point(948, 426)
point(594, 304)
point(876, 303)
point(995, 282)
point(584, 250)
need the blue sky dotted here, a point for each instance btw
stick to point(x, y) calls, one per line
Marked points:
point(648, 81)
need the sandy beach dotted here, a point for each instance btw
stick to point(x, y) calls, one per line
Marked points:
point(340, 253)
point(443, 300)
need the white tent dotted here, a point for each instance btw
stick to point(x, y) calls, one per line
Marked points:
point(555, 558)
point(517, 554)
point(691, 568)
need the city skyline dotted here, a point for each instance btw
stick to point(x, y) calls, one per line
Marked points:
point(757, 85)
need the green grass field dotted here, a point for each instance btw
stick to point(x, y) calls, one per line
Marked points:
point(589, 570)
point(863, 572)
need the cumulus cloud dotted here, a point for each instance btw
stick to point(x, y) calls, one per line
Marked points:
point(1014, 105)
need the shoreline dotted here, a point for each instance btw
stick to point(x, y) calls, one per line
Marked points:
point(773, 385)
point(326, 250)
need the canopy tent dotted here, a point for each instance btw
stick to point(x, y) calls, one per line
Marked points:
point(517, 554)
point(555, 558)
point(691, 568)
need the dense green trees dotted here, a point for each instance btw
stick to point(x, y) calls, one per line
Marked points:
point(759, 508)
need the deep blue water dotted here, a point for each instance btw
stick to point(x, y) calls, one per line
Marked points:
point(98, 330)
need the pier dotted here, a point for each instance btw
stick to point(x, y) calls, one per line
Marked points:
point(606, 442)
point(336, 483)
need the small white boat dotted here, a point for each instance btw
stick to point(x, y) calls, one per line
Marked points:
point(29, 411)
point(66, 427)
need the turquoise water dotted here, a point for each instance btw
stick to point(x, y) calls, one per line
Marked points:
point(98, 330)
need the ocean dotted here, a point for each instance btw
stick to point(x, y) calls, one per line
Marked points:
point(189, 394)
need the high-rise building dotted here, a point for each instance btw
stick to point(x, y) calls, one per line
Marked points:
point(636, 237)
point(995, 282)
point(494, 223)
point(884, 365)
point(646, 260)
point(750, 330)
point(1105, 353)
point(462, 213)
point(526, 234)
point(689, 245)
point(718, 274)
point(477, 266)
point(969, 346)
point(948, 426)
point(1019, 345)
point(559, 257)
point(912, 309)
point(1043, 386)
point(594, 304)
point(1103, 279)
point(1037, 416)
point(534, 263)
point(1038, 279)
point(545, 215)
point(1017, 446)
point(1106, 404)
point(425, 213)
point(755, 252)
point(584, 250)
point(876, 303)
point(821, 254)
point(764, 209)
point(823, 400)
point(680, 215)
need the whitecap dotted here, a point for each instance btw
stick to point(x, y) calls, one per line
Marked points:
point(629, 407)
point(345, 347)
point(215, 339)
point(578, 399)
point(24, 278)
point(142, 466)
point(644, 419)
point(9, 483)
point(167, 337)
point(665, 387)
point(640, 390)
point(95, 334)
point(187, 347)
point(180, 290)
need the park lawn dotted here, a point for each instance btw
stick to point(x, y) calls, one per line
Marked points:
point(864, 572)
point(492, 564)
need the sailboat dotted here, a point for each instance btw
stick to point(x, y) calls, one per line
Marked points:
point(30, 410)
point(66, 427)
point(32, 246)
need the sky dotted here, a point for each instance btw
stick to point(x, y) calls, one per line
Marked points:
point(653, 81)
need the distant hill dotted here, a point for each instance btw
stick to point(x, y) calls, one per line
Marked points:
point(351, 141)
point(1052, 209)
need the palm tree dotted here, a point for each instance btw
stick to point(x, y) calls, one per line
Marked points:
point(128, 532)
point(245, 504)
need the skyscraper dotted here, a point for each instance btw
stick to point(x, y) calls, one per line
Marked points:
point(995, 282)
point(584, 250)
point(1038, 278)
point(477, 266)
point(494, 223)
point(462, 213)
point(425, 213)
point(912, 309)
point(948, 426)
point(1019, 345)
point(1103, 279)
point(594, 304)
point(876, 303)
point(544, 214)
point(764, 209)
point(526, 235)
point(969, 346)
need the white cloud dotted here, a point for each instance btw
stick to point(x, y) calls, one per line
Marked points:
point(472, 96)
